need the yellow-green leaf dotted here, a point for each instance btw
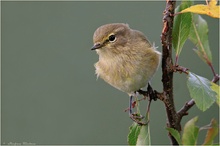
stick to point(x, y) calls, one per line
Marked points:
point(190, 132)
point(211, 9)
point(211, 133)
point(216, 88)
point(200, 90)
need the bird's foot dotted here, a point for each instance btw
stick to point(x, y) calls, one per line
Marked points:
point(149, 93)
point(137, 118)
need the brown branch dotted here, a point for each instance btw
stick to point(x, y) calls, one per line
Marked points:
point(167, 68)
point(180, 69)
point(184, 110)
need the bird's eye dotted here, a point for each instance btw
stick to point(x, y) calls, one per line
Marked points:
point(112, 38)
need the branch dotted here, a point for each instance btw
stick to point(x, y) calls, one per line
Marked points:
point(184, 110)
point(180, 69)
point(167, 68)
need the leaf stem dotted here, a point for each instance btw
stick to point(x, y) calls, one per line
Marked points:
point(212, 68)
point(215, 78)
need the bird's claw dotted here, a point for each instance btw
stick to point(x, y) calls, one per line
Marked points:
point(137, 118)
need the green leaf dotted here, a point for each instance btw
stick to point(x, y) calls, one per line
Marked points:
point(175, 134)
point(211, 133)
point(134, 131)
point(144, 136)
point(139, 135)
point(190, 132)
point(181, 28)
point(216, 88)
point(200, 90)
point(199, 36)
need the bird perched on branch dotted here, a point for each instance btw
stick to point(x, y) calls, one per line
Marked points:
point(127, 60)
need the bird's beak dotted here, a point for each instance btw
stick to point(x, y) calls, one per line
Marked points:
point(96, 46)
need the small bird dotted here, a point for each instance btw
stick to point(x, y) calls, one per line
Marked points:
point(127, 60)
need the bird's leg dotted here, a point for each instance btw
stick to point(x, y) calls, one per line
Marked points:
point(151, 92)
point(134, 116)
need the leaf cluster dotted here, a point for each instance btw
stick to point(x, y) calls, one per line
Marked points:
point(191, 131)
point(193, 27)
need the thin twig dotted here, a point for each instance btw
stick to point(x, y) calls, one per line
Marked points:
point(180, 69)
point(184, 110)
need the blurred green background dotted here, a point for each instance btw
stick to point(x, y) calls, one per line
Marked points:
point(50, 94)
